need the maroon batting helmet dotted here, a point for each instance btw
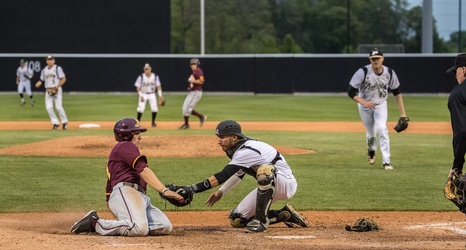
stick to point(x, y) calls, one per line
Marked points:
point(124, 129)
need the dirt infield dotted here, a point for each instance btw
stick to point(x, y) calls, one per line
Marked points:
point(210, 230)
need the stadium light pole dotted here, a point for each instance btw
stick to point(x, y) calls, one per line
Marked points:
point(202, 28)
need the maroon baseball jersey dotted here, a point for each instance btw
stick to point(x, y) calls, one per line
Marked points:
point(125, 163)
point(198, 75)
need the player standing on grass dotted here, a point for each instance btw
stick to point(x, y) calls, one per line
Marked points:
point(23, 80)
point(54, 78)
point(369, 88)
point(146, 85)
point(196, 80)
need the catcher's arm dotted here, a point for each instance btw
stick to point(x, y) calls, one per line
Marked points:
point(227, 186)
point(216, 179)
point(149, 176)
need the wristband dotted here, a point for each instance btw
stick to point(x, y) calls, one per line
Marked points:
point(164, 190)
point(159, 92)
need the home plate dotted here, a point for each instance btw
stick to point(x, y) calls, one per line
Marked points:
point(89, 125)
point(292, 237)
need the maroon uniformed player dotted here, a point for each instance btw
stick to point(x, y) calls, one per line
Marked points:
point(196, 80)
point(128, 176)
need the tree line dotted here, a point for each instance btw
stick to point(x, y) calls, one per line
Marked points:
point(300, 26)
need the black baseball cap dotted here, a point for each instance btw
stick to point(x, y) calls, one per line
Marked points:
point(229, 127)
point(460, 61)
point(375, 53)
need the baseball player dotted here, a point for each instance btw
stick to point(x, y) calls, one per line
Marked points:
point(146, 85)
point(369, 88)
point(128, 176)
point(195, 80)
point(273, 174)
point(53, 78)
point(23, 76)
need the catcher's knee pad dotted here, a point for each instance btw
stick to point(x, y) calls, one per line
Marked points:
point(237, 220)
point(266, 176)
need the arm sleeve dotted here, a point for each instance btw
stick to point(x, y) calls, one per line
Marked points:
point(226, 173)
point(396, 91)
point(230, 183)
point(221, 177)
point(352, 92)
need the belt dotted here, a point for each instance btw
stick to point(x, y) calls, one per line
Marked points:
point(129, 184)
point(148, 93)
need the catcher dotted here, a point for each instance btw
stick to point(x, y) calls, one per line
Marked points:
point(128, 176)
point(275, 181)
point(455, 186)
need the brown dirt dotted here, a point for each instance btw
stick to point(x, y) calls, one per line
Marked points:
point(210, 229)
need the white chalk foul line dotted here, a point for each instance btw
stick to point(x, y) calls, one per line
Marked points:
point(448, 226)
point(291, 237)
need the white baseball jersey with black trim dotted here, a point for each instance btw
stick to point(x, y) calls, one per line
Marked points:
point(147, 84)
point(374, 88)
point(51, 76)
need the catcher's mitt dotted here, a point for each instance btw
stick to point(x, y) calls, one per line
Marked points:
point(402, 124)
point(363, 225)
point(185, 191)
point(162, 101)
point(52, 91)
point(454, 189)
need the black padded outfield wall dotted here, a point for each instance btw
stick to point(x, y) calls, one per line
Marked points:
point(85, 26)
point(235, 73)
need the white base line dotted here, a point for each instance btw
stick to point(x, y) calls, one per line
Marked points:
point(291, 237)
point(448, 226)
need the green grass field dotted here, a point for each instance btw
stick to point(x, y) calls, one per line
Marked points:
point(335, 177)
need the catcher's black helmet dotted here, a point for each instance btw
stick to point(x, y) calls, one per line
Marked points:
point(124, 129)
point(229, 127)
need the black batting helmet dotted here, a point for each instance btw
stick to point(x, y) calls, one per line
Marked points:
point(229, 127)
point(124, 129)
point(195, 61)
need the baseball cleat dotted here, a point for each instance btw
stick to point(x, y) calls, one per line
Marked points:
point(202, 120)
point(55, 127)
point(22, 103)
point(296, 218)
point(65, 126)
point(371, 157)
point(32, 103)
point(184, 126)
point(154, 125)
point(85, 224)
point(256, 226)
point(387, 166)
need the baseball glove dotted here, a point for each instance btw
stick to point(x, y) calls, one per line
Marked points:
point(52, 91)
point(363, 225)
point(402, 124)
point(162, 101)
point(185, 191)
point(454, 189)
